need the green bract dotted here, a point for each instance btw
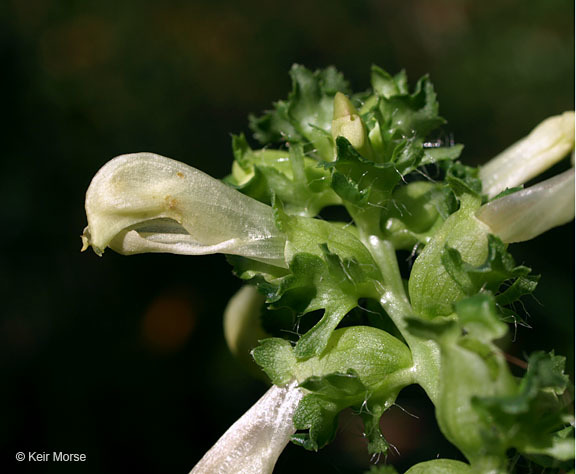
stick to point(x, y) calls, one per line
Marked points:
point(328, 315)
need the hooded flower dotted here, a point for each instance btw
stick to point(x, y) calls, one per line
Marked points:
point(546, 145)
point(525, 214)
point(144, 202)
point(530, 212)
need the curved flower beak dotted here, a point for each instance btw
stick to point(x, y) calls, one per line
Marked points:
point(530, 212)
point(254, 443)
point(144, 202)
point(546, 145)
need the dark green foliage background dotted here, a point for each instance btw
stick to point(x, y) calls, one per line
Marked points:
point(84, 81)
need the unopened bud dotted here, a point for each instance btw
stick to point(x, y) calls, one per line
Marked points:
point(347, 123)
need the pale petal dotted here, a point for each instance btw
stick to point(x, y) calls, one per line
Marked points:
point(530, 212)
point(547, 144)
point(253, 444)
point(144, 202)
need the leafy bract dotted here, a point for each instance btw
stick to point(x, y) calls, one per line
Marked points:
point(297, 180)
point(463, 179)
point(440, 466)
point(416, 212)
point(432, 290)
point(319, 120)
point(533, 419)
point(499, 267)
point(471, 367)
point(306, 116)
point(362, 367)
point(359, 181)
point(402, 114)
point(329, 270)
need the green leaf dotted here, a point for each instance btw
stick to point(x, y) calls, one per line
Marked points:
point(371, 415)
point(463, 179)
point(319, 417)
point(498, 268)
point(276, 358)
point(522, 285)
point(266, 277)
point(358, 360)
point(433, 290)
point(531, 420)
point(336, 385)
point(440, 466)
point(414, 215)
point(361, 367)
point(359, 181)
point(372, 354)
point(403, 114)
point(479, 317)
point(329, 269)
point(297, 180)
point(471, 366)
point(306, 116)
point(386, 85)
point(436, 155)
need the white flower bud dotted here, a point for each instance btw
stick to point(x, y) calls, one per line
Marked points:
point(530, 212)
point(547, 144)
point(144, 202)
point(348, 124)
point(242, 328)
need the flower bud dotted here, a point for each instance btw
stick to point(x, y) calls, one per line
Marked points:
point(347, 123)
point(144, 202)
point(242, 328)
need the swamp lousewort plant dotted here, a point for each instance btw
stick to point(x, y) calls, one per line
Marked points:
point(436, 327)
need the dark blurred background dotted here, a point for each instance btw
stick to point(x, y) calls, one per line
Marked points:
point(123, 358)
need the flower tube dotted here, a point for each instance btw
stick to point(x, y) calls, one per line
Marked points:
point(144, 202)
point(546, 145)
point(254, 443)
point(530, 212)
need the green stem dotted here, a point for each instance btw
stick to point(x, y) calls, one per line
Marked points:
point(393, 296)
point(394, 300)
